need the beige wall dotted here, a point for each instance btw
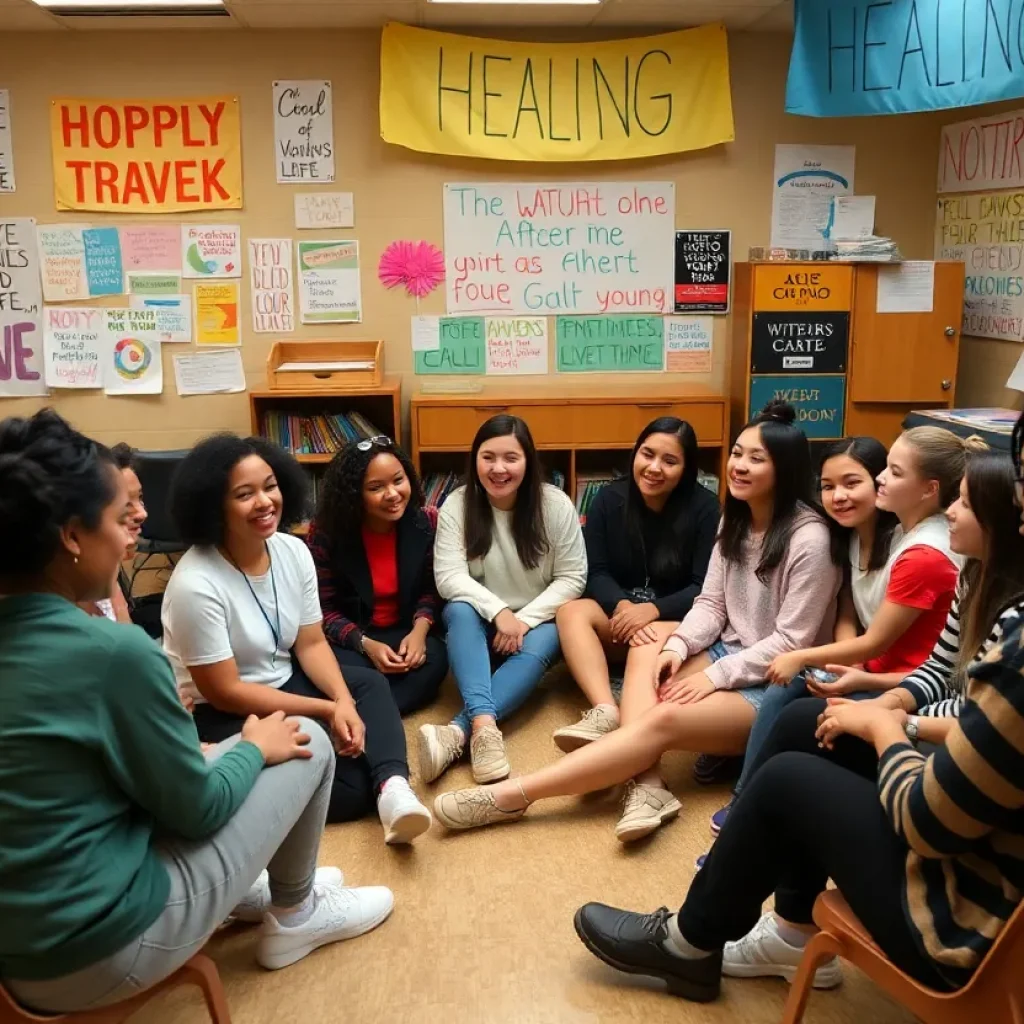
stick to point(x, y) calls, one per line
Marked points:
point(398, 193)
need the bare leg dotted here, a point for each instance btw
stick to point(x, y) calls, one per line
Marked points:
point(584, 635)
point(718, 724)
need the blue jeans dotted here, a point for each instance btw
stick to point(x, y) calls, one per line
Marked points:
point(471, 660)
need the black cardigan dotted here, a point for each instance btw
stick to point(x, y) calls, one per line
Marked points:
point(616, 561)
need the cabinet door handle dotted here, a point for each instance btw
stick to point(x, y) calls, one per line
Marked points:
point(946, 385)
point(950, 332)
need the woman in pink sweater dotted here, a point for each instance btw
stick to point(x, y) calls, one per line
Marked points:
point(771, 587)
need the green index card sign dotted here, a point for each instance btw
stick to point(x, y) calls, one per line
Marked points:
point(609, 344)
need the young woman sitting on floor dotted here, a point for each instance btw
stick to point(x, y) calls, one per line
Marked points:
point(373, 546)
point(771, 586)
point(509, 553)
point(649, 540)
point(242, 628)
point(121, 848)
point(926, 850)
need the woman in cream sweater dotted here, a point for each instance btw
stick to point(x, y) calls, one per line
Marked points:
point(509, 553)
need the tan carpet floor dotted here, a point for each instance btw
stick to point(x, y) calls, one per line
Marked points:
point(482, 929)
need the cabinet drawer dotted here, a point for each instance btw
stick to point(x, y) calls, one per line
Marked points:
point(453, 426)
point(620, 424)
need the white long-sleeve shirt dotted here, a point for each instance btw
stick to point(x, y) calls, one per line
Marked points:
point(499, 579)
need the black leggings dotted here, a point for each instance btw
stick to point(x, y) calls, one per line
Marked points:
point(803, 818)
point(410, 690)
point(357, 780)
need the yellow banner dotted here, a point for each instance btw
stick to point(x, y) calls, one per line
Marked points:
point(618, 100)
point(147, 156)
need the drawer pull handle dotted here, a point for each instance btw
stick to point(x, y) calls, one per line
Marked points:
point(654, 405)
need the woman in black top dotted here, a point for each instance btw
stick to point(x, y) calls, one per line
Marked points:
point(649, 539)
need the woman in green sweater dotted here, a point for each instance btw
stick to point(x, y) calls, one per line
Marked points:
point(121, 847)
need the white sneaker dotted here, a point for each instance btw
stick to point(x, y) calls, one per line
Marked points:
point(440, 746)
point(257, 899)
point(339, 913)
point(764, 953)
point(594, 724)
point(402, 815)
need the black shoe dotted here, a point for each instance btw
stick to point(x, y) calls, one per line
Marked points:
point(633, 943)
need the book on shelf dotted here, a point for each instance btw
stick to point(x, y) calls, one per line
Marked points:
point(587, 487)
point(437, 487)
point(321, 434)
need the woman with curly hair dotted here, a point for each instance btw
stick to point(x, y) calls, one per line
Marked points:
point(243, 631)
point(373, 546)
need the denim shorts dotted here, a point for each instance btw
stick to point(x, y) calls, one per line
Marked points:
point(753, 695)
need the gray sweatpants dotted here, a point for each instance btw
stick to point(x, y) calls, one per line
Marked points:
point(278, 827)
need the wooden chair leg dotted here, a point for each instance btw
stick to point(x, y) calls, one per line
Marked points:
point(818, 950)
point(202, 971)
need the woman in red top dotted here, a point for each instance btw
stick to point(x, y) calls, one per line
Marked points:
point(373, 544)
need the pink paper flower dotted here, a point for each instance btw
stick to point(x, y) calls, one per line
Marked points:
point(417, 265)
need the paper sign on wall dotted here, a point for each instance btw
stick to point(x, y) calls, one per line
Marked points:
point(6, 144)
point(212, 250)
point(688, 344)
point(173, 316)
point(62, 252)
point(329, 287)
point(703, 269)
point(209, 373)
point(805, 181)
point(983, 153)
point(597, 247)
point(426, 333)
point(216, 312)
point(324, 210)
point(103, 269)
point(609, 344)
point(73, 342)
point(271, 285)
point(906, 287)
point(132, 359)
point(154, 284)
point(461, 347)
point(21, 310)
point(151, 247)
point(516, 345)
point(303, 131)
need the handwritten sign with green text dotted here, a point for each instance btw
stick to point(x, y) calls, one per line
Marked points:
point(462, 347)
point(609, 344)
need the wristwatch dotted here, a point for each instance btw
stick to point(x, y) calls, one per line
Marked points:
point(361, 644)
point(912, 728)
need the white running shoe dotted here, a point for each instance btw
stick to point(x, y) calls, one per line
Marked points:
point(339, 913)
point(440, 746)
point(402, 815)
point(762, 952)
point(257, 899)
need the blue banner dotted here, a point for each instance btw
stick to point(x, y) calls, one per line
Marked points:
point(855, 57)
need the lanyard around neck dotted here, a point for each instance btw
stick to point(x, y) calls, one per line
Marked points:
point(275, 633)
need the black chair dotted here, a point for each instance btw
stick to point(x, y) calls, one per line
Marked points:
point(159, 537)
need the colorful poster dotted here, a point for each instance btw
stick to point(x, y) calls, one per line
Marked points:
point(985, 231)
point(154, 284)
point(62, 256)
point(146, 156)
point(7, 183)
point(216, 311)
point(609, 344)
point(563, 247)
point(271, 285)
point(173, 316)
point(303, 132)
point(149, 247)
point(73, 341)
point(820, 402)
point(806, 180)
point(855, 57)
point(461, 348)
point(516, 345)
point(823, 287)
point(806, 342)
point(324, 210)
point(21, 310)
point(617, 100)
point(329, 286)
point(103, 269)
point(703, 269)
point(209, 373)
point(213, 250)
point(132, 361)
point(688, 344)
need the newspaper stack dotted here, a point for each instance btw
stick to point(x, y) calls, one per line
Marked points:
point(872, 249)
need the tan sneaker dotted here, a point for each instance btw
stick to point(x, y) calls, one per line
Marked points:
point(487, 755)
point(471, 808)
point(594, 724)
point(644, 809)
point(440, 746)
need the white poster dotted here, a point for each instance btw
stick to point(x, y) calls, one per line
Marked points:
point(324, 210)
point(985, 152)
point(303, 132)
point(330, 290)
point(73, 342)
point(132, 361)
point(173, 316)
point(62, 257)
point(906, 287)
point(806, 180)
point(516, 345)
point(271, 285)
point(209, 373)
point(688, 343)
point(559, 247)
point(426, 333)
point(6, 144)
point(21, 310)
point(211, 250)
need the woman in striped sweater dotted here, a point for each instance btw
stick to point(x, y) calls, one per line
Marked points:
point(929, 855)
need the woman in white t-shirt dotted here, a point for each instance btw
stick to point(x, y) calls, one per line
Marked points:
point(242, 628)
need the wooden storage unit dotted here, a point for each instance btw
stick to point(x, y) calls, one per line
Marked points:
point(586, 429)
point(811, 333)
point(327, 377)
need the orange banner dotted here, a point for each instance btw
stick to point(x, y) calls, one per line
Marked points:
point(152, 156)
point(799, 286)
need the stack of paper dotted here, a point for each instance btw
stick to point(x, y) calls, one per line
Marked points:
point(872, 249)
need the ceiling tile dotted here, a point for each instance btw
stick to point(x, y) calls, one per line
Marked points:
point(275, 14)
point(778, 19)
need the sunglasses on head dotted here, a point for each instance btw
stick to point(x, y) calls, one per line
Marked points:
point(381, 441)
